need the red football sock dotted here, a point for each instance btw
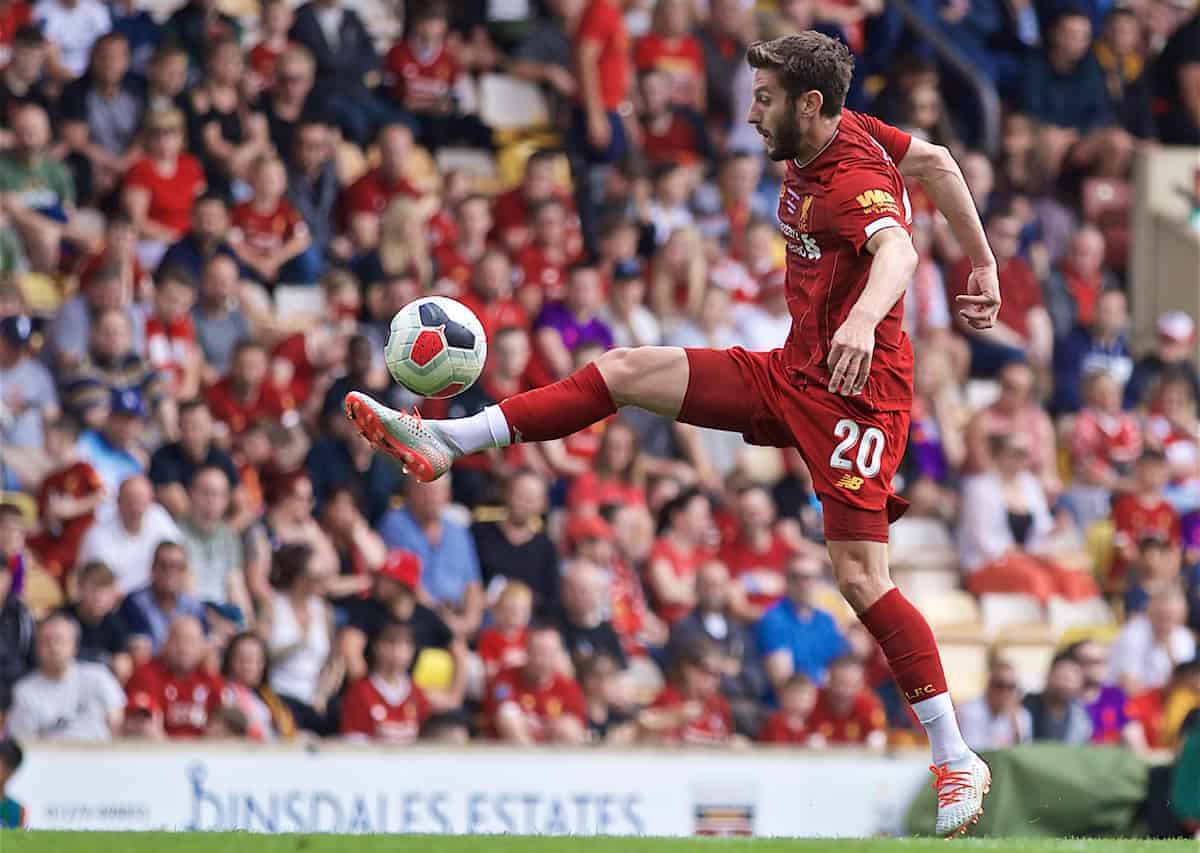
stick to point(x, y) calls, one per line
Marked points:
point(559, 409)
point(907, 642)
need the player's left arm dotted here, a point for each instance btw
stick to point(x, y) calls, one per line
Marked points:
point(893, 265)
point(942, 179)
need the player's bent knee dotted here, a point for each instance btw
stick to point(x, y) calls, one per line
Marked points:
point(617, 368)
point(861, 572)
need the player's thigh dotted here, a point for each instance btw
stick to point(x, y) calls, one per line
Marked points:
point(651, 378)
point(731, 389)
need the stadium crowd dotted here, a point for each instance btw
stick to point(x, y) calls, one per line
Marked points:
point(208, 220)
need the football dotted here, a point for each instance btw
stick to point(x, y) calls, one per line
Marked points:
point(436, 347)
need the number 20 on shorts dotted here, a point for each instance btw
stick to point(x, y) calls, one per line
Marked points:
point(870, 448)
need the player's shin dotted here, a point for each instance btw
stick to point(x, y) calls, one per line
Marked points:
point(559, 409)
point(907, 642)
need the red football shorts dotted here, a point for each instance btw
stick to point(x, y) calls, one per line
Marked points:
point(852, 451)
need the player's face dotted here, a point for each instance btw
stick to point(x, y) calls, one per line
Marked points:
point(773, 115)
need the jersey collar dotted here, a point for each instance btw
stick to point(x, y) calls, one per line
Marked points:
point(796, 162)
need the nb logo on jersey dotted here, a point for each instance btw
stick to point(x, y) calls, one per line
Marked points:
point(849, 481)
point(800, 243)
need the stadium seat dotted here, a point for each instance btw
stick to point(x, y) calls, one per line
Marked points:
point(508, 103)
point(1003, 610)
point(966, 663)
point(1065, 615)
point(923, 544)
point(1029, 649)
point(980, 393)
point(948, 609)
point(913, 581)
point(477, 164)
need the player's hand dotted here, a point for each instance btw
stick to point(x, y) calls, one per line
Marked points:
point(980, 305)
point(850, 356)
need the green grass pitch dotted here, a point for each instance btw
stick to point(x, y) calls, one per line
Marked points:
point(159, 842)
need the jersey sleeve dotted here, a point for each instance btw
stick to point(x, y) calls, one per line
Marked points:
point(355, 714)
point(865, 200)
point(597, 25)
point(895, 141)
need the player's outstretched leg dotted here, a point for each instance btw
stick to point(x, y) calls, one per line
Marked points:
point(960, 777)
point(653, 378)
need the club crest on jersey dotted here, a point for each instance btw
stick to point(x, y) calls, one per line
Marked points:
point(878, 202)
point(800, 242)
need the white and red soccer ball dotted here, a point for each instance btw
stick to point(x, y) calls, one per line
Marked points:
point(436, 347)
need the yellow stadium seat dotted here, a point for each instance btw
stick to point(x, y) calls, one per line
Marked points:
point(1099, 537)
point(966, 665)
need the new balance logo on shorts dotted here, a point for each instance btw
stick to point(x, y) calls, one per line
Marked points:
point(849, 481)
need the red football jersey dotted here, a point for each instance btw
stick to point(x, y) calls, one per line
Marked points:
point(452, 268)
point(680, 58)
point(589, 490)
point(828, 210)
point(497, 314)
point(58, 548)
point(673, 140)
point(1136, 519)
point(713, 726)
point(371, 194)
point(684, 564)
point(748, 567)
point(267, 232)
point(168, 346)
point(500, 651)
point(782, 727)
point(384, 712)
point(261, 60)
point(540, 271)
point(171, 195)
point(426, 77)
point(540, 704)
point(268, 403)
point(187, 701)
point(865, 716)
point(603, 24)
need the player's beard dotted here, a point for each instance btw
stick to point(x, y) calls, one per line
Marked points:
point(784, 143)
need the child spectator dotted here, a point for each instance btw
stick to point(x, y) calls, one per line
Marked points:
point(269, 235)
point(103, 634)
point(537, 703)
point(177, 683)
point(387, 706)
point(12, 813)
point(791, 724)
point(610, 719)
point(275, 22)
point(456, 260)
point(690, 710)
point(171, 346)
point(501, 645)
point(1105, 442)
point(67, 501)
point(1140, 513)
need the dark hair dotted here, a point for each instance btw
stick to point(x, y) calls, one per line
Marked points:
point(428, 10)
point(8, 510)
point(191, 406)
point(11, 754)
point(590, 665)
point(805, 62)
point(210, 195)
point(176, 273)
point(1152, 455)
point(245, 344)
point(163, 546)
point(843, 661)
point(1070, 12)
point(675, 505)
point(98, 570)
point(396, 632)
point(289, 563)
point(542, 155)
point(227, 658)
point(206, 467)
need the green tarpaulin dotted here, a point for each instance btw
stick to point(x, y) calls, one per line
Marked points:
point(1048, 790)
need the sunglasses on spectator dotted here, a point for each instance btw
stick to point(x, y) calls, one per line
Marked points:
point(1003, 685)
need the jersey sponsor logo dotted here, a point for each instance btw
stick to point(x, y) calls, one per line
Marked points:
point(849, 481)
point(878, 201)
point(800, 243)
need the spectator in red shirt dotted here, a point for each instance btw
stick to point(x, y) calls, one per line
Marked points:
point(177, 682)
point(455, 262)
point(685, 527)
point(171, 346)
point(269, 235)
point(276, 21)
point(386, 706)
point(791, 724)
point(758, 554)
point(491, 295)
point(544, 260)
point(512, 210)
point(690, 710)
point(1142, 511)
point(671, 48)
point(847, 712)
point(618, 476)
point(67, 500)
point(538, 703)
point(247, 394)
point(1105, 442)
point(1015, 411)
point(422, 76)
point(362, 204)
point(501, 645)
point(160, 187)
point(670, 133)
point(1023, 330)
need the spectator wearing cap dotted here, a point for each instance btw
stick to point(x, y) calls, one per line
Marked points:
point(177, 684)
point(173, 465)
point(17, 628)
point(313, 183)
point(538, 703)
point(393, 599)
point(1176, 336)
point(65, 698)
point(126, 535)
point(12, 813)
point(1075, 287)
point(1174, 85)
point(100, 115)
point(743, 681)
point(690, 710)
point(36, 190)
point(195, 25)
point(1100, 346)
point(115, 450)
point(160, 187)
point(516, 547)
point(625, 312)
point(67, 499)
point(997, 719)
point(213, 547)
point(245, 667)
point(27, 393)
point(207, 237)
point(149, 611)
point(23, 78)
point(72, 27)
point(1057, 712)
point(387, 706)
point(795, 635)
point(1151, 643)
point(103, 634)
point(451, 580)
point(584, 627)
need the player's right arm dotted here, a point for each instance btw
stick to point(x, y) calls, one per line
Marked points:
point(939, 174)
